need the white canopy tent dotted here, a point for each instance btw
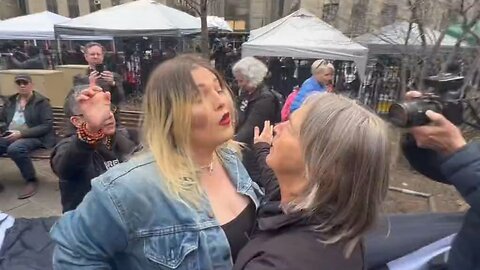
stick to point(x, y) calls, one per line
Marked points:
point(37, 26)
point(303, 35)
point(217, 23)
point(137, 18)
point(391, 39)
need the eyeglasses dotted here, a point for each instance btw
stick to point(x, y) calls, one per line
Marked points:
point(113, 109)
point(22, 82)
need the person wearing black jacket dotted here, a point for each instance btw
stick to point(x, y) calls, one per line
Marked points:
point(255, 104)
point(107, 80)
point(26, 124)
point(440, 152)
point(317, 220)
point(93, 148)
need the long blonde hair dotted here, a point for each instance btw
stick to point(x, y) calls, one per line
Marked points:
point(168, 100)
point(347, 155)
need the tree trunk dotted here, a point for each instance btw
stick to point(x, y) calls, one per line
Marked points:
point(203, 16)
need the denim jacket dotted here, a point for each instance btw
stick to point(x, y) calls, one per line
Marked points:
point(128, 221)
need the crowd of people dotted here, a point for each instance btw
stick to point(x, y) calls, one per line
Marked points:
point(219, 180)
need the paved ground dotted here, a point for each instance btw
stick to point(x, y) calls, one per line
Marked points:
point(45, 203)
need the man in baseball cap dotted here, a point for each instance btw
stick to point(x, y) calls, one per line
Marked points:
point(26, 124)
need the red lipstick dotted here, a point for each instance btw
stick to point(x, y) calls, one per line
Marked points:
point(225, 121)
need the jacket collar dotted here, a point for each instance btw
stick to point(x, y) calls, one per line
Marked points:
point(36, 97)
point(256, 94)
point(272, 218)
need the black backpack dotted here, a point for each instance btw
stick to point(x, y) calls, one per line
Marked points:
point(279, 102)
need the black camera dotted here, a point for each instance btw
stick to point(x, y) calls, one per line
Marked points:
point(443, 96)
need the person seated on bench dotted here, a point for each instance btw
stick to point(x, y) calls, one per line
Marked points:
point(27, 122)
point(94, 146)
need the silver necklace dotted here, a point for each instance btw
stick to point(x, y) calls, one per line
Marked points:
point(208, 168)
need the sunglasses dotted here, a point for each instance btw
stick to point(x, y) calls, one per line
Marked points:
point(113, 109)
point(22, 82)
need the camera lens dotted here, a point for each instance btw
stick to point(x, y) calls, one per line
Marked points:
point(409, 114)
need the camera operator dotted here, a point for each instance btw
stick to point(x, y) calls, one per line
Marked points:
point(439, 151)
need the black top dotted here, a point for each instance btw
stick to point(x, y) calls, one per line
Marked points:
point(253, 110)
point(76, 163)
point(238, 229)
point(289, 241)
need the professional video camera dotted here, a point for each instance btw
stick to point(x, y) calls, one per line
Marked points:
point(443, 96)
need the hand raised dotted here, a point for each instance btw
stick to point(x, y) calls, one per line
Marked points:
point(266, 136)
point(95, 106)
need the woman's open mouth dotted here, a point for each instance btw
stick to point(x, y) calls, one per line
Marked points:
point(225, 121)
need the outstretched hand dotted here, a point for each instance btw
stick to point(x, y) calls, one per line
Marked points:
point(266, 136)
point(96, 107)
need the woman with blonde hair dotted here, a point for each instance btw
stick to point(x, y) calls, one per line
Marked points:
point(332, 162)
point(320, 81)
point(187, 203)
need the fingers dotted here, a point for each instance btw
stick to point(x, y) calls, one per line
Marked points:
point(256, 133)
point(436, 118)
point(88, 93)
point(412, 95)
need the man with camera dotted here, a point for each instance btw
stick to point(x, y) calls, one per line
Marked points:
point(26, 124)
point(439, 151)
point(107, 80)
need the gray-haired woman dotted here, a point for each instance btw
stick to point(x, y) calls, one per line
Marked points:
point(256, 104)
point(332, 161)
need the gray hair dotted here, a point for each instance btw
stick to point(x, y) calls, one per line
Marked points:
point(347, 155)
point(70, 107)
point(93, 44)
point(252, 69)
point(321, 65)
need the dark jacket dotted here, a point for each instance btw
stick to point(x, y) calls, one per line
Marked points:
point(38, 117)
point(117, 92)
point(76, 163)
point(462, 170)
point(253, 110)
point(27, 245)
point(265, 177)
point(289, 241)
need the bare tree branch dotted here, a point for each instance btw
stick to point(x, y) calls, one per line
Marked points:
point(193, 5)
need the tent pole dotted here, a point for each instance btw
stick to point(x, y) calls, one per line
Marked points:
point(114, 48)
point(59, 51)
point(35, 42)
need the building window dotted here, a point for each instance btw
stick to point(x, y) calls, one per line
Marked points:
point(95, 5)
point(73, 9)
point(115, 2)
point(389, 14)
point(330, 12)
point(52, 6)
point(358, 23)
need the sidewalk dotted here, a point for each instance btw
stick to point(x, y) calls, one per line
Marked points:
point(43, 204)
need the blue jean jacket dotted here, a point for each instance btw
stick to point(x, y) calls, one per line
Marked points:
point(128, 221)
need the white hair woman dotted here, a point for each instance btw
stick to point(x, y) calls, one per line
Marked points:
point(187, 203)
point(256, 104)
point(332, 162)
point(322, 77)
